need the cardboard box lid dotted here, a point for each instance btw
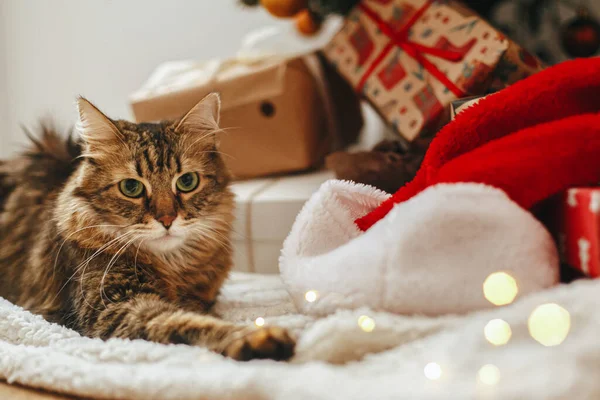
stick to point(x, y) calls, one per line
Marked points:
point(238, 81)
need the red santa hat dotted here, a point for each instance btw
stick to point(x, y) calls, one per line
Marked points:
point(531, 140)
point(429, 247)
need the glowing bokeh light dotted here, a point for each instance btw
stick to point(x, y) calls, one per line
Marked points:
point(311, 296)
point(497, 332)
point(489, 374)
point(500, 288)
point(260, 321)
point(433, 371)
point(367, 324)
point(549, 324)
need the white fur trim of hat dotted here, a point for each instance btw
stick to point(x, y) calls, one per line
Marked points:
point(430, 255)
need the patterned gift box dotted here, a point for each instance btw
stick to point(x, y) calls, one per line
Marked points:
point(411, 58)
point(573, 217)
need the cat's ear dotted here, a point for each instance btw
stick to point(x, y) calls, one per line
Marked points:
point(203, 116)
point(95, 128)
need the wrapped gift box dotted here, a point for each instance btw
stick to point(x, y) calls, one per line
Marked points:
point(573, 217)
point(411, 58)
point(265, 212)
point(278, 114)
point(459, 105)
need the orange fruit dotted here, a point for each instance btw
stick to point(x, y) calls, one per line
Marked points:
point(284, 8)
point(307, 23)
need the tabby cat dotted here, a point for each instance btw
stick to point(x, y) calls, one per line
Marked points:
point(125, 232)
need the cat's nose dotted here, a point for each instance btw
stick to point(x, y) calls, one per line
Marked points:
point(167, 220)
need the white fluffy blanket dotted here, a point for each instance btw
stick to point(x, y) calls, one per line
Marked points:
point(335, 358)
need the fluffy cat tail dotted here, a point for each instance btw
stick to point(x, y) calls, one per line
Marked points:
point(49, 144)
point(52, 155)
point(7, 184)
point(46, 163)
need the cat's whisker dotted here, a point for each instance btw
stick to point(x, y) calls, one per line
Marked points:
point(73, 233)
point(218, 237)
point(104, 247)
point(226, 226)
point(213, 227)
point(113, 261)
point(115, 241)
point(100, 250)
point(218, 220)
point(77, 269)
point(221, 153)
point(85, 262)
point(214, 231)
point(204, 136)
point(135, 259)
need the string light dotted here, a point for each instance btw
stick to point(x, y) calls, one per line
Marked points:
point(497, 332)
point(549, 324)
point(500, 288)
point(367, 324)
point(260, 321)
point(489, 374)
point(433, 371)
point(311, 296)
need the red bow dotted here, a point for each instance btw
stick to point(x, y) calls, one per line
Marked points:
point(415, 50)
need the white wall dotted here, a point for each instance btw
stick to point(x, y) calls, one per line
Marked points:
point(3, 85)
point(53, 50)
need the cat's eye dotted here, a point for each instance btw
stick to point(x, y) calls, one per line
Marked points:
point(131, 188)
point(188, 182)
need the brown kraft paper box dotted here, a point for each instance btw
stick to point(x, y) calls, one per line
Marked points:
point(278, 115)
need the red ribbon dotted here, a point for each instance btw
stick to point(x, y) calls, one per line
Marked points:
point(415, 50)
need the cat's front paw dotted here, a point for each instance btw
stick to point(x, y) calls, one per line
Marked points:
point(265, 343)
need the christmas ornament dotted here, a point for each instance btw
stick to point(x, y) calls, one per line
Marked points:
point(307, 22)
point(581, 37)
point(308, 14)
point(555, 30)
point(284, 8)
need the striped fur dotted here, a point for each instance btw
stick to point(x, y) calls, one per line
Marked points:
point(76, 250)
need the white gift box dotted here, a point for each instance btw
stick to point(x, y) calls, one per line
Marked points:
point(265, 212)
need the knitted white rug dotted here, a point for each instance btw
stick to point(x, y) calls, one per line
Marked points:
point(333, 360)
